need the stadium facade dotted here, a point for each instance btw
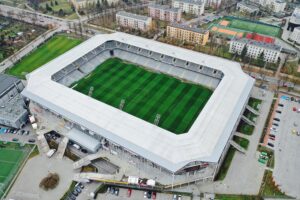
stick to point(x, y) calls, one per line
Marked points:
point(206, 142)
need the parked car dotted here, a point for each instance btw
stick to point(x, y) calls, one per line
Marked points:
point(129, 191)
point(31, 140)
point(149, 194)
point(15, 139)
point(272, 135)
point(78, 189)
point(112, 191)
point(281, 105)
point(108, 189)
point(275, 124)
point(276, 119)
point(278, 111)
point(153, 195)
point(117, 190)
point(270, 144)
point(145, 195)
point(74, 192)
point(81, 185)
point(271, 138)
point(84, 151)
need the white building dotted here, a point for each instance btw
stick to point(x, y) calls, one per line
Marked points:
point(295, 35)
point(255, 48)
point(294, 20)
point(195, 7)
point(275, 5)
point(212, 3)
point(242, 6)
point(202, 147)
point(134, 21)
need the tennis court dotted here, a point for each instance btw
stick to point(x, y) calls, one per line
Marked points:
point(12, 155)
point(146, 94)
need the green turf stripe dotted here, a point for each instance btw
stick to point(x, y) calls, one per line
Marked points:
point(134, 105)
point(156, 101)
point(180, 108)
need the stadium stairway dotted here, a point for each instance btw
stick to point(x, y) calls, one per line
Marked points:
point(248, 121)
point(252, 110)
point(237, 146)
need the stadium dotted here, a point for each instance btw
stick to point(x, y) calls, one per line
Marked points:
point(172, 108)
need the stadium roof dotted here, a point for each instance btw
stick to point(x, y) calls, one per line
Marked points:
point(206, 139)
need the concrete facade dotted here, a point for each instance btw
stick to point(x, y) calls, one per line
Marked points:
point(185, 33)
point(255, 48)
point(164, 13)
point(134, 21)
point(189, 6)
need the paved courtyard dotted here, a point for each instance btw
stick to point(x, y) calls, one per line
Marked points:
point(27, 187)
point(287, 147)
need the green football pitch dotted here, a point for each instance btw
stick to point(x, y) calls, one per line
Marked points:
point(11, 158)
point(255, 27)
point(146, 94)
point(51, 49)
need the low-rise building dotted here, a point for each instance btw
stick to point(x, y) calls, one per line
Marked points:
point(185, 33)
point(164, 12)
point(270, 51)
point(80, 4)
point(134, 21)
point(195, 7)
point(245, 7)
point(13, 112)
point(212, 3)
point(295, 36)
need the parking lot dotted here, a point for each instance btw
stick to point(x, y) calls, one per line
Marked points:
point(137, 195)
point(287, 146)
point(25, 135)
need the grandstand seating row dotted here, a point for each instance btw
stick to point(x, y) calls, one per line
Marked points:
point(163, 63)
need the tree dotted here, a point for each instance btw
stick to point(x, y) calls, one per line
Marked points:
point(260, 59)
point(61, 12)
point(51, 4)
point(56, 3)
point(48, 8)
point(98, 6)
point(244, 53)
point(50, 181)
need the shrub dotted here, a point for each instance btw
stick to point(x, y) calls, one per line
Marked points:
point(50, 181)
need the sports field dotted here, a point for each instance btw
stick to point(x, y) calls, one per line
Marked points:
point(238, 27)
point(51, 49)
point(11, 158)
point(146, 94)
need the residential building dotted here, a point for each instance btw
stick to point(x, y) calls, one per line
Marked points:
point(13, 112)
point(295, 36)
point(134, 21)
point(276, 6)
point(164, 12)
point(195, 7)
point(80, 4)
point(245, 7)
point(186, 33)
point(294, 20)
point(255, 48)
point(212, 3)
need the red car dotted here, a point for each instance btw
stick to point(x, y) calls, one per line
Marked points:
point(129, 191)
point(153, 195)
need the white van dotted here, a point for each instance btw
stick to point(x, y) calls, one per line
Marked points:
point(50, 153)
point(76, 146)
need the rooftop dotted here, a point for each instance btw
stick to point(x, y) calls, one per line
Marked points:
point(258, 43)
point(132, 15)
point(197, 2)
point(248, 5)
point(164, 7)
point(6, 81)
point(197, 30)
point(206, 139)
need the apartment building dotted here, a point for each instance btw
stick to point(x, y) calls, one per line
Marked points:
point(195, 7)
point(255, 48)
point(245, 7)
point(276, 6)
point(164, 12)
point(134, 21)
point(185, 33)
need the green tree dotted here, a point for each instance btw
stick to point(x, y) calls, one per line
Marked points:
point(48, 8)
point(61, 12)
point(56, 3)
point(244, 53)
point(260, 59)
point(51, 4)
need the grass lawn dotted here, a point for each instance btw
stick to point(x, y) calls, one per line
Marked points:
point(11, 157)
point(226, 164)
point(254, 103)
point(268, 187)
point(245, 128)
point(146, 94)
point(241, 141)
point(255, 27)
point(51, 49)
